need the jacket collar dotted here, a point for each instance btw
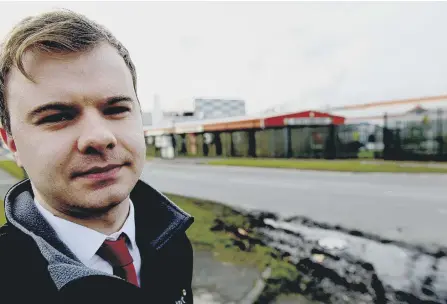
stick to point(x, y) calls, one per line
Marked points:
point(157, 218)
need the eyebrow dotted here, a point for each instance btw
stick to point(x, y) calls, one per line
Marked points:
point(63, 106)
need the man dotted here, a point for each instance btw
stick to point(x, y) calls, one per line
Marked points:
point(83, 228)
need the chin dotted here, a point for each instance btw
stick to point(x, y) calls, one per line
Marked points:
point(100, 203)
point(113, 192)
point(92, 210)
point(111, 198)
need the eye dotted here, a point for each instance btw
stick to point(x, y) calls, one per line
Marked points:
point(60, 117)
point(116, 110)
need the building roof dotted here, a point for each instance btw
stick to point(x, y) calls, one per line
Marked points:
point(247, 122)
point(394, 108)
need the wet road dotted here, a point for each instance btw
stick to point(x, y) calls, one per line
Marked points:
point(398, 206)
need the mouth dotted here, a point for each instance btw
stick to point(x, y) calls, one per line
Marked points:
point(100, 172)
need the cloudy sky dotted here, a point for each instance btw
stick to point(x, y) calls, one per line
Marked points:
point(301, 55)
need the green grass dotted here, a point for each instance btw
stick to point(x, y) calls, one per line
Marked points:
point(2, 213)
point(329, 165)
point(366, 154)
point(221, 243)
point(11, 167)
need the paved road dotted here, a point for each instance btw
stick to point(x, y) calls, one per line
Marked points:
point(398, 206)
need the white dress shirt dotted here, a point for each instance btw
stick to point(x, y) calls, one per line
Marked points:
point(85, 242)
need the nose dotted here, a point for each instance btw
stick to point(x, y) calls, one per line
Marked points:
point(96, 136)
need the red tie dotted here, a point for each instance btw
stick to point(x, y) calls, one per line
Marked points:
point(118, 255)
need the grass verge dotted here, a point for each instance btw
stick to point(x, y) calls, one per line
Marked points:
point(11, 167)
point(228, 247)
point(2, 214)
point(366, 154)
point(221, 243)
point(331, 165)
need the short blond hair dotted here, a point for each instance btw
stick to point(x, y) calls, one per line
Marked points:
point(60, 31)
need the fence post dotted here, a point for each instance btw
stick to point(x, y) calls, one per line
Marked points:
point(385, 138)
point(205, 148)
point(440, 134)
point(251, 143)
point(218, 143)
point(397, 142)
point(174, 144)
point(232, 148)
point(288, 143)
point(330, 148)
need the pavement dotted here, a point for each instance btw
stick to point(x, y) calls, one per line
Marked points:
point(410, 164)
point(397, 206)
point(215, 282)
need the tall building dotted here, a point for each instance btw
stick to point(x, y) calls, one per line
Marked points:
point(147, 118)
point(157, 112)
point(205, 108)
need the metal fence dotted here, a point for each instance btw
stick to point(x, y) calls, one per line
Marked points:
point(417, 136)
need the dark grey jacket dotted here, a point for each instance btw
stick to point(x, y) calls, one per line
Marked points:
point(36, 267)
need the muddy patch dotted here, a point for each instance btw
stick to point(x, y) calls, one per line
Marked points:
point(336, 265)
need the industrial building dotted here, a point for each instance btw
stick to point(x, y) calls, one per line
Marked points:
point(418, 133)
point(301, 134)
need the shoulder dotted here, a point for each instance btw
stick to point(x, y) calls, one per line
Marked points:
point(8, 241)
point(12, 236)
point(18, 251)
point(13, 247)
point(180, 244)
point(175, 267)
point(23, 268)
point(10, 262)
point(178, 254)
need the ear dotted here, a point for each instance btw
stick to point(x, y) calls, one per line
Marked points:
point(8, 140)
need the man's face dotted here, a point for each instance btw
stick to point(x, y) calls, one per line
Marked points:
point(81, 113)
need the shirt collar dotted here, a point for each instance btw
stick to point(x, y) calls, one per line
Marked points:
point(128, 228)
point(83, 241)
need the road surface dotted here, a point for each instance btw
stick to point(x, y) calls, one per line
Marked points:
point(409, 207)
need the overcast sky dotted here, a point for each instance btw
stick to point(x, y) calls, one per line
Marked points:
point(304, 55)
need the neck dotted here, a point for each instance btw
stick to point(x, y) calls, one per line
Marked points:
point(106, 223)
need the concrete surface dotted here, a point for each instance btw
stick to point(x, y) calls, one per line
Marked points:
point(409, 207)
point(216, 282)
point(293, 299)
